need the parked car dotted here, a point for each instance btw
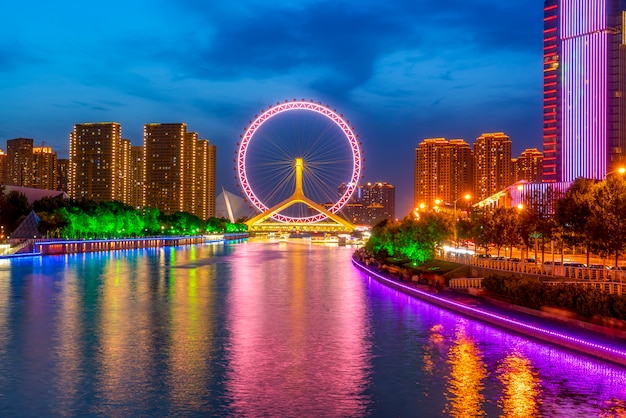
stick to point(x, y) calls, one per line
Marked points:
point(599, 267)
point(574, 264)
point(550, 263)
point(515, 260)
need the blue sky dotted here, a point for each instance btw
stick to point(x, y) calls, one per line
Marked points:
point(400, 71)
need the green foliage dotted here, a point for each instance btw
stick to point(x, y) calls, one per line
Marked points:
point(585, 302)
point(415, 239)
point(87, 219)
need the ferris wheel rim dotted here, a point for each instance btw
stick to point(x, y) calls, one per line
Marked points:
point(286, 106)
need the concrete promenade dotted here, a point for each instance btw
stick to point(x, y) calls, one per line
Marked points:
point(602, 346)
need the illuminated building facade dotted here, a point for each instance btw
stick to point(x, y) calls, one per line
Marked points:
point(370, 204)
point(19, 162)
point(136, 176)
point(379, 200)
point(443, 171)
point(96, 162)
point(528, 166)
point(44, 174)
point(584, 80)
point(62, 174)
point(179, 170)
point(205, 179)
point(164, 168)
point(492, 164)
point(3, 167)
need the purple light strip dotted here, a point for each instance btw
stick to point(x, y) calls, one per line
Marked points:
point(584, 92)
point(583, 346)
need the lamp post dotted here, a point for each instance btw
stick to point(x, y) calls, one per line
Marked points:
point(520, 207)
point(467, 197)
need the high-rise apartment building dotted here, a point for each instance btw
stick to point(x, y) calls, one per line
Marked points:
point(379, 201)
point(97, 158)
point(370, 204)
point(44, 169)
point(164, 166)
point(62, 174)
point(136, 176)
point(123, 172)
point(3, 167)
point(205, 179)
point(492, 164)
point(584, 117)
point(20, 162)
point(189, 181)
point(179, 170)
point(528, 166)
point(443, 171)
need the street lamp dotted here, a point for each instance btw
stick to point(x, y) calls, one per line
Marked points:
point(621, 171)
point(467, 197)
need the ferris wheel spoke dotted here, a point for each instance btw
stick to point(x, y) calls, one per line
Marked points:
point(320, 137)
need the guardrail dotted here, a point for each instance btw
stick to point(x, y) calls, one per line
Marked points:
point(600, 275)
point(466, 283)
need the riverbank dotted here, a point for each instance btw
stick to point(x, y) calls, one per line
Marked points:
point(39, 247)
point(596, 344)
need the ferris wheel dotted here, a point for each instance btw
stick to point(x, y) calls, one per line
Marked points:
point(305, 134)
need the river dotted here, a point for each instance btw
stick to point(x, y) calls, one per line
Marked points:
point(264, 329)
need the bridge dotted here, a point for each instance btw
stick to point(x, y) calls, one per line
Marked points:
point(264, 222)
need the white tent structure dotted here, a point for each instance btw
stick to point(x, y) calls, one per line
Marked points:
point(232, 207)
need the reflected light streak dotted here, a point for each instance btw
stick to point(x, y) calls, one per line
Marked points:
point(192, 333)
point(521, 394)
point(304, 360)
point(124, 354)
point(465, 383)
point(616, 355)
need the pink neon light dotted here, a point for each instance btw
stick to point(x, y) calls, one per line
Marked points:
point(604, 352)
point(285, 107)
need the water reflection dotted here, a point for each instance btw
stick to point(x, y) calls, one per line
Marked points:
point(298, 341)
point(433, 350)
point(520, 397)
point(125, 351)
point(465, 382)
point(269, 330)
point(192, 335)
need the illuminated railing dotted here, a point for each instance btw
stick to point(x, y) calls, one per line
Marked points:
point(581, 345)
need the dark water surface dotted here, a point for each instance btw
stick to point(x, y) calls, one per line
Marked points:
point(264, 329)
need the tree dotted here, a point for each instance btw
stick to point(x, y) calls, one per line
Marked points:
point(481, 220)
point(14, 208)
point(504, 231)
point(607, 221)
point(573, 211)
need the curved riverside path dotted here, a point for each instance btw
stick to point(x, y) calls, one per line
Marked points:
point(553, 332)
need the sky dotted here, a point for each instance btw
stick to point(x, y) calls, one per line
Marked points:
point(399, 70)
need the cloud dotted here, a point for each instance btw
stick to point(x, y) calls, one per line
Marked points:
point(14, 56)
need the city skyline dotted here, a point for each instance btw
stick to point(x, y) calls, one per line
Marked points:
point(412, 71)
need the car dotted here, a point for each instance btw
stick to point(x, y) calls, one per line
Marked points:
point(515, 260)
point(484, 256)
point(599, 267)
point(550, 263)
point(529, 260)
point(574, 264)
